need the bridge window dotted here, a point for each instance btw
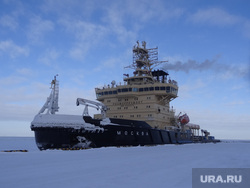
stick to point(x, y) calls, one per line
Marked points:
point(99, 94)
point(174, 91)
point(168, 89)
point(135, 89)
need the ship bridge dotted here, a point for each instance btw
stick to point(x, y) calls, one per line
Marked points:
point(160, 87)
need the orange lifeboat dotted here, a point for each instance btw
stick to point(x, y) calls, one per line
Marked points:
point(184, 119)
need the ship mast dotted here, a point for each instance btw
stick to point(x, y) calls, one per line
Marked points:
point(144, 60)
point(52, 101)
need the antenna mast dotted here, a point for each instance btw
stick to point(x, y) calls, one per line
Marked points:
point(144, 60)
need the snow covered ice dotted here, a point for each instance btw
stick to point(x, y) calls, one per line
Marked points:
point(153, 166)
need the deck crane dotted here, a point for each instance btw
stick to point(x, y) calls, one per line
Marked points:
point(94, 104)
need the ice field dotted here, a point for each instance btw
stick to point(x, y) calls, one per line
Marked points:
point(154, 166)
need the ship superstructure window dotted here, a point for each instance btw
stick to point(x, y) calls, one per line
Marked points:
point(168, 89)
point(135, 89)
point(162, 88)
point(174, 91)
point(125, 90)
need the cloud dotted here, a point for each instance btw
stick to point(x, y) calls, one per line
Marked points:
point(11, 49)
point(25, 72)
point(11, 12)
point(222, 18)
point(215, 16)
point(37, 28)
point(9, 21)
point(126, 18)
point(109, 64)
point(86, 34)
point(145, 11)
point(246, 29)
point(64, 8)
point(20, 96)
point(49, 56)
point(188, 90)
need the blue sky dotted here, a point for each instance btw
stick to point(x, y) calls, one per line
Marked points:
point(89, 42)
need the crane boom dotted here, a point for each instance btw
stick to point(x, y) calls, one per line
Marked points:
point(93, 104)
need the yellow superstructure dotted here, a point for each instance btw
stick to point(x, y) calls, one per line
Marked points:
point(145, 95)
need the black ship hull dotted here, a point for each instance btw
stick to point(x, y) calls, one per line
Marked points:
point(118, 133)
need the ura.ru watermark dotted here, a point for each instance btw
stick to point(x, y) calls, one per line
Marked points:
point(220, 177)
